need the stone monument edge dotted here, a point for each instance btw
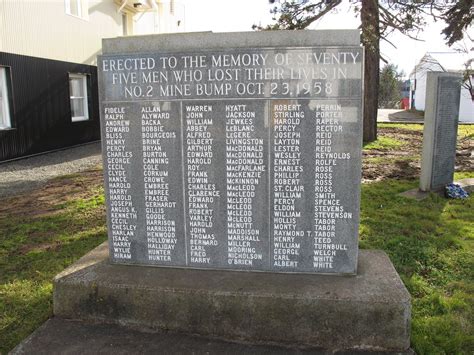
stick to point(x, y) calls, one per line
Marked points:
point(429, 127)
point(223, 40)
point(285, 43)
point(429, 130)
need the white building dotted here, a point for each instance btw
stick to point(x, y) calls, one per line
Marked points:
point(446, 62)
point(48, 73)
point(152, 16)
point(72, 30)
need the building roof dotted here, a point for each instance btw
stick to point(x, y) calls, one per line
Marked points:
point(450, 61)
point(446, 61)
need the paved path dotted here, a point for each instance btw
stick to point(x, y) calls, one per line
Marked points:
point(397, 115)
point(59, 336)
point(26, 174)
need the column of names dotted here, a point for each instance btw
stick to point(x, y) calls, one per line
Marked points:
point(202, 192)
point(160, 229)
point(328, 209)
point(287, 185)
point(245, 170)
point(123, 216)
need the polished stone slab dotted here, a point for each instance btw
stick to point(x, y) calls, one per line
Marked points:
point(440, 130)
point(242, 158)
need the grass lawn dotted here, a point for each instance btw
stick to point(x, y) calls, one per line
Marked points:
point(464, 130)
point(384, 143)
point(41, 234)
point(430, 242)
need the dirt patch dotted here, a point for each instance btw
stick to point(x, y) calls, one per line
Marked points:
point(465, 154)
point(26, 248)
point(45, 200)
point(44, 204)
point(405, 162)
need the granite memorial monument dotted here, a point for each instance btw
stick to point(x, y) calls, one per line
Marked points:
point(244, 159)
point(233, 152)
point(440, 130)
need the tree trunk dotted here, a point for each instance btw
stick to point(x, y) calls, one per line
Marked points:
point(370, 39)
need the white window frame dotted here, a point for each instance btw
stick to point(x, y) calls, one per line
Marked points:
point(81, 9)
point(83, 78)
point(6, 122)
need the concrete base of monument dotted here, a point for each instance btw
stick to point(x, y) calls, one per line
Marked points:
point(62, 336)
point(467, 184)
point(369, 312)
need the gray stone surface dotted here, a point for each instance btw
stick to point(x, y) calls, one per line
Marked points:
point(60, 336)
point(197, 41)
point(440, 130)
point(415, 194)
point(467, 184)
point(234, 157)
point(370, 311)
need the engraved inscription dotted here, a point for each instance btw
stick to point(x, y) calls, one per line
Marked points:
point(287, 184)
point(123, 215)
point(245, 159)
point(160, 229)
point(201, 188)
point(446, 123)
point(245, 171)
point(328, 209)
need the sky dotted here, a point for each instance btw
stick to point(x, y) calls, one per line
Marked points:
point(233, 15)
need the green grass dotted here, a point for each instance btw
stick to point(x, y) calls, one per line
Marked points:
point(411, 126)
point(464, 130)
point(430, 242)
point(384, 143)
point(384, 160)
point(33, 249)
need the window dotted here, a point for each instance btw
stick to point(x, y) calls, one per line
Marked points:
point(76, 8)
point(78, 96)
point(5, 119)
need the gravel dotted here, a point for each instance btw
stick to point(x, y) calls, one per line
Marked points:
point(24, 175)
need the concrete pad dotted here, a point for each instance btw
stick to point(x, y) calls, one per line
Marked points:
point(370, 311)
point(72, 337)
point(398, 116)
point(467, 184)
point(60, 336)
point(416, 194)
point(405, 116)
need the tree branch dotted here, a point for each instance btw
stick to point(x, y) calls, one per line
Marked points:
point(329, 8)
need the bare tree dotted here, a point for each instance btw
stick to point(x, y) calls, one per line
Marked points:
point(466, 48)
point(378, 20)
